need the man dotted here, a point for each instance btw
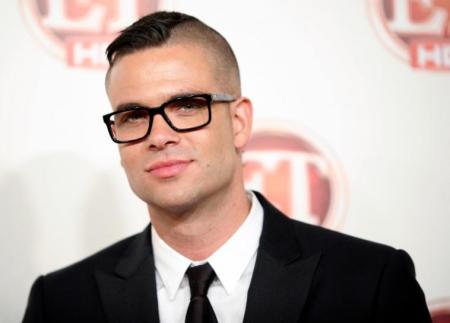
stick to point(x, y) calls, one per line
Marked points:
point(213, 252)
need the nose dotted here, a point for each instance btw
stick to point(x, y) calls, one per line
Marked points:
point(161, 134)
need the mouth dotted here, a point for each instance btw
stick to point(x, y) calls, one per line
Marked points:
point(168, 168)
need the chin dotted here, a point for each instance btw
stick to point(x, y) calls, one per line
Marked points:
point(173, 202)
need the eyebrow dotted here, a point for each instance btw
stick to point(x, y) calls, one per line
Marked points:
point(130, 105)
point(126, 106)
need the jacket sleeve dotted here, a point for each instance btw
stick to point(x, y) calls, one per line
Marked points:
point(34, 312)
point(399, 297)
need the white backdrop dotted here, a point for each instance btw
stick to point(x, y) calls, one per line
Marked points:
point(318, 64)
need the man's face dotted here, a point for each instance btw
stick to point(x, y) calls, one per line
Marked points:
point(169, 170)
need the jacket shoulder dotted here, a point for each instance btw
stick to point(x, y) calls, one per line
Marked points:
point(104, 259)
point(71, 294)
point(314, 238)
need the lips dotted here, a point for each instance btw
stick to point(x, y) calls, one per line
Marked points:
point(168, 168)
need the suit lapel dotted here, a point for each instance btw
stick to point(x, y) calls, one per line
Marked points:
point(282, 274)
point(129, 292)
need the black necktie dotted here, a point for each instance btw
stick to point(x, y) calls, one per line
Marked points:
point(200, 309)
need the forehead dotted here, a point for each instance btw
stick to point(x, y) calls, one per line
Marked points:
point(155, 74)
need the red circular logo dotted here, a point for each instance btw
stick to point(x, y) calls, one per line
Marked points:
point(296, 174)
point(79, 31)
point(418, 31)
point(440, 311)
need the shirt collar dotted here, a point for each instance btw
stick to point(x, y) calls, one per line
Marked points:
point(170, 265)
point(229, 261)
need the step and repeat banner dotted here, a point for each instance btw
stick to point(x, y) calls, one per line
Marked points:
point(352, 126)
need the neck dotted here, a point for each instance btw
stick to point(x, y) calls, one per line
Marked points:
point(199, 232)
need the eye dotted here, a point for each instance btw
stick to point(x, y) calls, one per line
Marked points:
point(130, 117)
point(187, 106)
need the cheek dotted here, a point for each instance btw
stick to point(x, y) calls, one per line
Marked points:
point(128, 158)
point(220, 147)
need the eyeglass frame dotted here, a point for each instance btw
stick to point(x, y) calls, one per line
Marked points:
point(153, 111)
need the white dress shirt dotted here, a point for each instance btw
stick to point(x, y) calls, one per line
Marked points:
point(233, 263)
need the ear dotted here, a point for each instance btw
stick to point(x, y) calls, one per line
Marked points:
point(242, 119)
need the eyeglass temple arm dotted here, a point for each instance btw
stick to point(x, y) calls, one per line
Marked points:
point(222, 97)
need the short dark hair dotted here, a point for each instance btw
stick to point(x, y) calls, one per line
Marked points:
point(163, 27)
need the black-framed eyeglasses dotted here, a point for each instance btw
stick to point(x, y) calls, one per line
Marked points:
point(186, 113)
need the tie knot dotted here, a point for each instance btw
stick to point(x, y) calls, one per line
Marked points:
point(200, 277)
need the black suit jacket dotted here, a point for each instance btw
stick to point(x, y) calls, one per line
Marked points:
point(303, 273)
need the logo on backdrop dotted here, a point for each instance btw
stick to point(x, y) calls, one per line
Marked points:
point(418, 31)
point(440, 310)
point(298, 175)
point(78, 31)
